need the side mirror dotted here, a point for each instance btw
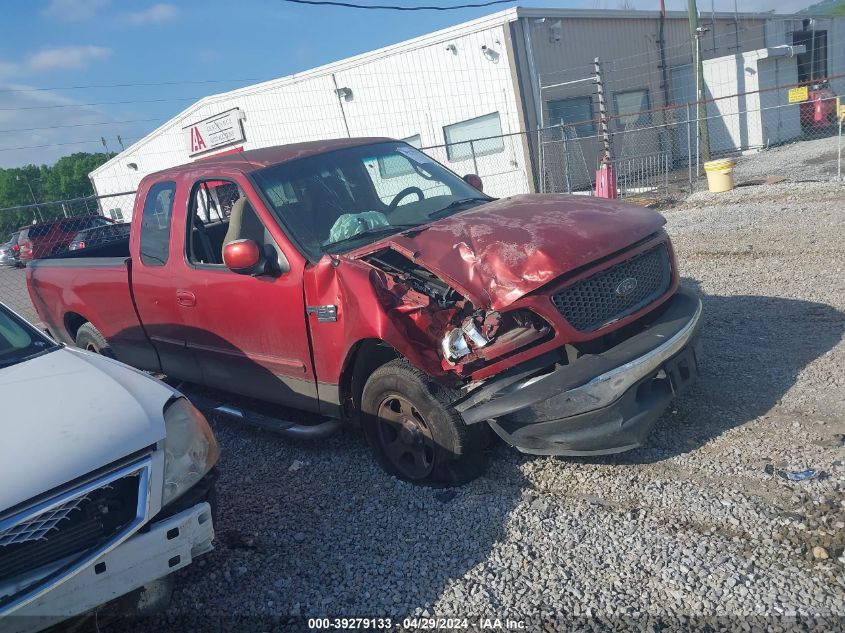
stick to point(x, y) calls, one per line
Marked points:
point(244, 257)
point(475, 181)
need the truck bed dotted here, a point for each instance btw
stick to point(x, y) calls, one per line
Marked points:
point(91, 285)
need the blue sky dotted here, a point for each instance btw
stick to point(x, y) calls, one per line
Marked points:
point(56, 44)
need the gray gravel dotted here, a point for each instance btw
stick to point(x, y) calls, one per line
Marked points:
point(802, 160)
point(697, 523)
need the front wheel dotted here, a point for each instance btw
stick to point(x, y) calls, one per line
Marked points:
point(89, 338)
point(414, 433)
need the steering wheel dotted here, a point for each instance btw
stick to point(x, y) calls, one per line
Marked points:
point(407, 191)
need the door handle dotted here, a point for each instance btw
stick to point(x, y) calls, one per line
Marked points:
point(186, 298)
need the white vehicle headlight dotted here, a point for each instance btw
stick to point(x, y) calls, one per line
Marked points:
point(190, 449)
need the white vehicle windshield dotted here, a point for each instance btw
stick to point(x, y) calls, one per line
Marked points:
point(18, 340)
point(344, 199)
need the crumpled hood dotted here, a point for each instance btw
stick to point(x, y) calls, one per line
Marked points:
point(67, 413)
point(500, 251)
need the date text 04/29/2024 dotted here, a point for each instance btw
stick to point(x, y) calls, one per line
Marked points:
point(415, 623)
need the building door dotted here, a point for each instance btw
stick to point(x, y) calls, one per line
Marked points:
point(682, 92)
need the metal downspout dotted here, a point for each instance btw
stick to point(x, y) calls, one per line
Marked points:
point(538, 104)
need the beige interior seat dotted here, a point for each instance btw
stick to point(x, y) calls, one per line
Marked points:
point(244, 224)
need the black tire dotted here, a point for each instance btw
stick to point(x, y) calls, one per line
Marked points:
point(414, 433)
point(89, 338)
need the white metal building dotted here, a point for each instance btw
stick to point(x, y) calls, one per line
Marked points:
point(494, 78)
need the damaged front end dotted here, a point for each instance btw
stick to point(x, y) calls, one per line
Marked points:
point(468, 336)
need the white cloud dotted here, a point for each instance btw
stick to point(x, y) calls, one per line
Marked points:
point(8, 68)
point(156, 14)
point(66, 57)
point(206, 55)
point(22, 109)
point(73, 10)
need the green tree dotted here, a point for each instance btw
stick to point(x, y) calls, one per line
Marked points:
point(67, 178)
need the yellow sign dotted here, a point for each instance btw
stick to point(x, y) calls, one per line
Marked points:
point(840, 108)
point(799, 94)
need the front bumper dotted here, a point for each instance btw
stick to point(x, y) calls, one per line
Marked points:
point(600, 403)
point(168, 545)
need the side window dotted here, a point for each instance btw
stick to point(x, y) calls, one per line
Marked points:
point(211, 205)
point(632, 107)
point(485, 132)
point(393, 166)
point(577, 111)
point(405, 174)
point(155, 224)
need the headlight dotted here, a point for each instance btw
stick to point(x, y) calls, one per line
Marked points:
point(487, 335)
point(190, 449)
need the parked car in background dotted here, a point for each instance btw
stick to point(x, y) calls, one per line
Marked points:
point(99, 235)
point(53, 237)
point(360, 279)
point(10, 251)
point(106, 480)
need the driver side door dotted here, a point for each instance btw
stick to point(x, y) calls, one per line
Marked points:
point(248, 333)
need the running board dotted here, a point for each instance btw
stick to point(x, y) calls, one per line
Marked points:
point(287, 428)
point(283, 427)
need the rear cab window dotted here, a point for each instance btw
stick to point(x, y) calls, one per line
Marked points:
point(39, 231)
point(156, 218)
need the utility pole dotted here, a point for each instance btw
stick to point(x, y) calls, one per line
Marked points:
point(698, 67)
point(31, 193)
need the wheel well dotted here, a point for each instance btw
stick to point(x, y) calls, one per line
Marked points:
point(73, 322)
point(367, 356)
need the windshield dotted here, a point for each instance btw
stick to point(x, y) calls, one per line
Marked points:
point(18, 340)
point(342, 200)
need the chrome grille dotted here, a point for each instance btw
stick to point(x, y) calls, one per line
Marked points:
point(609, 296)
point(37, 528)
point(51, 539)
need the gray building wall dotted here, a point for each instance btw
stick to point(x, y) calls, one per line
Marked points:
point(556, 51)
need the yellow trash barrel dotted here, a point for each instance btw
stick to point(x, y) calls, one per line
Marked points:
point(720, 174)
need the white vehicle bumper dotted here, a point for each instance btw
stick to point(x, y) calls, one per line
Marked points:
point(169, 545)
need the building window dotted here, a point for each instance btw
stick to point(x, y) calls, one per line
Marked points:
point(812, 64)
point(485, 132)
point(632, 107)
point(155, 224)
point(116, 214)
point(576, 111)
point(394, 166)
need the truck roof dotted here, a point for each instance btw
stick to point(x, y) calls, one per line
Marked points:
point(254, 159)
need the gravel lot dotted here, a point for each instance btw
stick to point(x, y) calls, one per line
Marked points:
point(698, 523)
point(13, 292)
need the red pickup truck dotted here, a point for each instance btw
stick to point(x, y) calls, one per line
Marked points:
point(360, 279)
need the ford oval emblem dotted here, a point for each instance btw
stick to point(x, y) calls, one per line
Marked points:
point(626, 287)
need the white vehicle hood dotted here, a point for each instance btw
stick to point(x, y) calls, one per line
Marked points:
point(67, 413)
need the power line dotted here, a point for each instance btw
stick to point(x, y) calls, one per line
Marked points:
point(133, 85)
point(57, 127)
point(14, 149)
point(98, 141)
point(85, 105)
point(391, 7)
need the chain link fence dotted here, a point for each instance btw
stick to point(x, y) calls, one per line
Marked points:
point(44, 229)
point(654, 155)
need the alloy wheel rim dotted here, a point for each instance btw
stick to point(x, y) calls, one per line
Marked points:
point(405, 437)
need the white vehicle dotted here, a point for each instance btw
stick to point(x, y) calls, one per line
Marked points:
point(106, 480)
